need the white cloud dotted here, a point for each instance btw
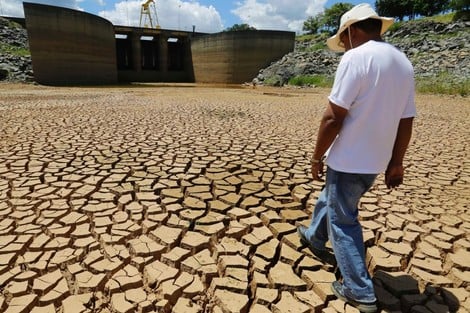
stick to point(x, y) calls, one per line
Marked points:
point(171, 14)
point(179, 14)
point(278, 14)
point(15, 7)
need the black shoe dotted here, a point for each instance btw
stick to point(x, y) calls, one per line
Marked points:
point(366, 307)
point(323, 255)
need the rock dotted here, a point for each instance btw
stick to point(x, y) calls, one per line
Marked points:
point(3, 72)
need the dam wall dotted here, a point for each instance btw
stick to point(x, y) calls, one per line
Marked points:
point(237, 57)
point(70, 47)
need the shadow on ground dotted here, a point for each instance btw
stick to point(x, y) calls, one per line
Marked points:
point(401, 293)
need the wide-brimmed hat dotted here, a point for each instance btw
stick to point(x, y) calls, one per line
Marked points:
point(358, 13)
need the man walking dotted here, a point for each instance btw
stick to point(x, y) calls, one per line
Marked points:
point(365, 130)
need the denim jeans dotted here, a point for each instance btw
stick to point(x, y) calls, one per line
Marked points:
point(335, 217)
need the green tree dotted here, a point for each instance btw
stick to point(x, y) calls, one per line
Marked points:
point(430, 8)
point(395, 8)
point(332, 16)
point(460, 5)
point(313, 24)
point(239, 27)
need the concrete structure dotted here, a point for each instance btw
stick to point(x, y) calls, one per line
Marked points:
point(71, 47)
point(237, 57)
point(153, 55)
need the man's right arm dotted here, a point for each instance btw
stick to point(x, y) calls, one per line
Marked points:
point(394, 173)
point(330, 125)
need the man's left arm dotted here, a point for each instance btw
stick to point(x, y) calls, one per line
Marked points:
point(394, 173)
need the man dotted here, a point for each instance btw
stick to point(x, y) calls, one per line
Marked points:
point(366, 129)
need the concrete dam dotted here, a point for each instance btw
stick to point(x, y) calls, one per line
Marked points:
point(70, 47)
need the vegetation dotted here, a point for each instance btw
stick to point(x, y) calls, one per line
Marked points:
point(441, 18)
point(460, 5)
point(410, 8)
point(7, 49)
point(317, 42)
point(422, 8)
point(12, 49)
point(272, 81)
point(239, 27)
point(313, 23)
point(328, 21)
point(312, 80)
point(444, 83)
point(10, 24)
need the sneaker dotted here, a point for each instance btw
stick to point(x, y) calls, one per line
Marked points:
point(366, 307)
point(323, 255)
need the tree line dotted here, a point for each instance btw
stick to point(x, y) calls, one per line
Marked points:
point(328, 20)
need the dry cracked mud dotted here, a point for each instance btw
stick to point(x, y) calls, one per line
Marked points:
point(186, 199)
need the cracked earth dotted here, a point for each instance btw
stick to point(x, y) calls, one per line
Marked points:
point(184, 199)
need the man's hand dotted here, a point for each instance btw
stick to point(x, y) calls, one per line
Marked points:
point(317, 171)
point(394, 172)
point(394, 176)
point(330, 125)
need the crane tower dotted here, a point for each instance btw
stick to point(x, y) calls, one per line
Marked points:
point(148, 14)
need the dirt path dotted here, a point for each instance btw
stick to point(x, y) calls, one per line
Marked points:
point(185, 199)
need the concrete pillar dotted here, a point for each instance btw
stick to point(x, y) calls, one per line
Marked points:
point(136, 52)
point(163, 53)
point(188, 61)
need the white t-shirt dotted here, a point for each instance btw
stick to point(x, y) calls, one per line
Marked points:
point(375, 83)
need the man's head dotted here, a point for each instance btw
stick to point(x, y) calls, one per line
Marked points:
point(360, 20)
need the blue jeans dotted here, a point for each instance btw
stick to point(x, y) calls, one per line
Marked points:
point(335, 217)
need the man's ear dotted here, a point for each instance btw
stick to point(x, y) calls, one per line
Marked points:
point(353, 30)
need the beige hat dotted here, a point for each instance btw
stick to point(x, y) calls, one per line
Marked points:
point(358, 13)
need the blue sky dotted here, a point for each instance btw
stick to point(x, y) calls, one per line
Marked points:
point(205, 15)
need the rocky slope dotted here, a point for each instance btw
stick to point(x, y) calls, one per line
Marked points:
point(432, 47)
point(13, 66)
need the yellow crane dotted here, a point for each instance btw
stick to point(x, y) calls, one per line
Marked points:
point(147, 10)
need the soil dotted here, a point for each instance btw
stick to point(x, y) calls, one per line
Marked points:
point(186, 198)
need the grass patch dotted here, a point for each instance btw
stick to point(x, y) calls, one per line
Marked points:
point(318, 37)
point(312, 80)
point(395, 26)
point(443, 83)
point(273, 81)
point(306, 37)
point(315, 46)
point(13, 50)
point(318, 46)
point(13, 24)
point(441, 18)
